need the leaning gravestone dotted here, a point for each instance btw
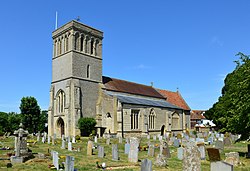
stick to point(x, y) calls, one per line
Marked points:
point(220, 166)
point(115, 155)
point(133, 152)
point(146, 165)
point(101, 151)
point(69, 163)
point(191, 153)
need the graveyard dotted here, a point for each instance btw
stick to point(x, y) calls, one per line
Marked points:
point(90, 153)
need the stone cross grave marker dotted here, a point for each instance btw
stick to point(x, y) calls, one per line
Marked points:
point(127, 148)
point(70, 146)
point(220, 166)
point(133, 152)
point(151, 150)
point(191, 153)
point(55, 159)
point(115, 155)
point(90, 148)
point(213, 154)
point(69, 163)
point(180, 153)
point(146, 165)
point(100, 151)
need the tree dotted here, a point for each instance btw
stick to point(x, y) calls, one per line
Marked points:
point(232, 111)
point(86, 125)
point(42, 121)
point(30, 112)
point(14, 121)
point(3, 122)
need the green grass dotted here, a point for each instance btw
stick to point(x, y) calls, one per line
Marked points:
point(84, 162)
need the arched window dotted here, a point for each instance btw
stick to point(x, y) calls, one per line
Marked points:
point(151, 119)
point(175, 121)
point(82, 43)
point(55, 48)
point(86, 48)
point(77, 40)
point(134, 117)
point(88, 70)
point(60, 100)
point(92, 46)
point(66, 43)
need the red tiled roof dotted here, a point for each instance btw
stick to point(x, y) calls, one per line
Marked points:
point(197, 114)
point(174, 98)
point(123, 86)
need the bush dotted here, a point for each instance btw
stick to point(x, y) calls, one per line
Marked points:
point(86, 125)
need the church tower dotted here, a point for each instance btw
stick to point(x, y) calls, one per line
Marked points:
point(76, 74)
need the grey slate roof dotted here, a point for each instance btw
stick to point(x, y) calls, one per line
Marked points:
point(142, 100)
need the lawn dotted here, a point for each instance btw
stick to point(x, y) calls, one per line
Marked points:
point(84, 162)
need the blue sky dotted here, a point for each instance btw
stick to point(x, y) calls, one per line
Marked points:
point(186, 44)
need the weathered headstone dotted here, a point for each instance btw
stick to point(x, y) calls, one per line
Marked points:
point(120, 140)
point(70, 146)
point(43, 139)
point(176, 143)
point(68, 138)
point(227, 141)
point(63, 144)
point(191, 153)
point(100, 151)
point(108, 141)
point(127, 148)
point(55, 159)
point(95, 139)
point(73, 139)
point(133, 152)
point(166, 150)
point(146, 165)
point(219, 145)
point(90, 148)
point(63, 137)
point(69, 163)
point(232, 158)
point(201, 148)
point(160, 138)
point(154, 137)
point(180, 153)
point(220, 166)
point(151, 150)
point(148, 137)
point(213, 154)
point(115, 155)
point(160, 161)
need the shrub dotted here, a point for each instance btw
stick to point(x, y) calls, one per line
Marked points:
point(86, 125)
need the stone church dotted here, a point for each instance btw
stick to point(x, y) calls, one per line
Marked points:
point(122, 108)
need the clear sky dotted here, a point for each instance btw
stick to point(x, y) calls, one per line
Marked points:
point(172, 43)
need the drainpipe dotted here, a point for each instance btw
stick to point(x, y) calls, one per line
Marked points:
point(122, 120)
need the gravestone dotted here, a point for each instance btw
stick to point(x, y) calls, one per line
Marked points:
point(210, 140)
point(43, 139)
point(73, 139)
point(101, 151)
point(201, 148)
point(232, 158)
point(55, 159)
point(219, 145)
point(165, 150)
point(213, 154)
point(160, 138)
point(21, 150)
point(70, 146)
point(68, 138)
point(95, 139)
point(108, 141)
point(133, 152)
point(154, 137)
point(63, 137)
point(176, 143)
point(151, 150)
point(48, 139)
point(148, 137)
point(53, 141)
point(127, 148)
point(227, 141)
point(180, 153)
point(146, 165)
point(90, 148)
point(120, 140)
point(220, 166)
point(127, 140)
point(115, 155)
point(63, 144)
point(191, 153)
point(69, 163)
point(160, 161)
point(38, 137)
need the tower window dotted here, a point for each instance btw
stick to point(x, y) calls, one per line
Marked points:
point(92, 47)
point(60, 99)
point(88, 70)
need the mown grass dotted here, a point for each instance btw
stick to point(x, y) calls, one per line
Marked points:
point(84, 162)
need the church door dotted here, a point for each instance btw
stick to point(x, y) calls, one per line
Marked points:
point(60, 124)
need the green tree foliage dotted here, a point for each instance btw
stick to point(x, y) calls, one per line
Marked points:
point(232, 111)
point(3, 122)
point(31, 113)
point(43, 120)
point(14, 121)
point(86, 125)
